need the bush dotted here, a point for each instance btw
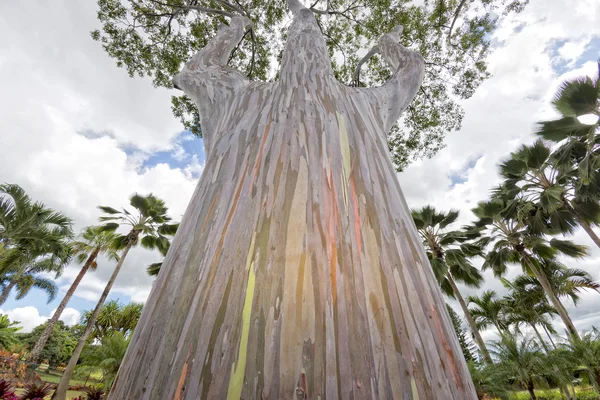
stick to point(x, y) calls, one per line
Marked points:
point(587, 395)
point(37, 391)
point(6, 392)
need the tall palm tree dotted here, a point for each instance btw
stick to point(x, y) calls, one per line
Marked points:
point(519, 361)
point(92, 243)
point(531, 173)
point(449, 253)
point(149, 225)
point(489, 311)
point(516, 231)
point(28, 229)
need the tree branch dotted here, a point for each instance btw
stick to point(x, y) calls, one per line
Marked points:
point(456, 13)
point(363, 60)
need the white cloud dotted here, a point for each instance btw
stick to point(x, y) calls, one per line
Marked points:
point(29, 317)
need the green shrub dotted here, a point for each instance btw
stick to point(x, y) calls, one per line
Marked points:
point(587, 395)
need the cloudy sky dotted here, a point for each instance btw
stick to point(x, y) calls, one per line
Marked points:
point(77, 132)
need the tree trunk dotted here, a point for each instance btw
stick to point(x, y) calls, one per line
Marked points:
point(7, 290)
point(584, 224)
point(297, 271)
point(61, 391)
point(562, 312)
point(531, 391)
point(480, 343)
point(549, 336)
point(41, 343)
point(539, 336)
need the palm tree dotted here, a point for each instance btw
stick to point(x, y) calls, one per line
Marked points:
point(485, 382)
point(519, 361)
point(92, 243)
point(108, 356)
point(516, 230)
point(524, 306)
point(8, 331)
point(586, 352)
point(489, 311)
point(28, 229)
point(26, 276)
point(565, 282)
point(114, 317)
point(149, 226)
point(579, 147)
point(531, 173)
point(449, 253)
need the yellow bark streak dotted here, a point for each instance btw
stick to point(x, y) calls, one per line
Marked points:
point(236, 381)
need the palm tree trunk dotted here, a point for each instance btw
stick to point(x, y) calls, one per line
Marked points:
point(562, 312)
point(539, 336)
point(470, 321)
point(531, 391)
point(584, 224)
point(39, 346)
point(61, 391)
point(549, 336)
point(7, 290)
point(588, 229)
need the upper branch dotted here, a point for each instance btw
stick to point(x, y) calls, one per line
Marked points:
point(408, 68)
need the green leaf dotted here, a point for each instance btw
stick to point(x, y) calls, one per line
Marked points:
point(154, 269)
point(561, 129)
point(450, 218)
point(149, 242)
point(569, 248)
point(576, 97)
point(168, 229)
point(513, 168)
point(141, 203)
point(537, 155)
point(109, 227)
point(109, 210)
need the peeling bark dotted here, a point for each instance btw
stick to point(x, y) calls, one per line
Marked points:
point(297, 271)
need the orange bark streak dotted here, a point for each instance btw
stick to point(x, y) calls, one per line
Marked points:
point(181, 382)
point(450, 355)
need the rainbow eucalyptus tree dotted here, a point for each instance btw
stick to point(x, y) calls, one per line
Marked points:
point(297, 271)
